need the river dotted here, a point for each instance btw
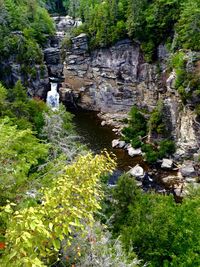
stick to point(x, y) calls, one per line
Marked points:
point(97, 138)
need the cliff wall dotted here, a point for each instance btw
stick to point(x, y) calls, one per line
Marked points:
point(112, 80)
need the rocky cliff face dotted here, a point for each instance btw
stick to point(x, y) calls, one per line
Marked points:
point(52, 54)
point(37, 81)
point(111, 80)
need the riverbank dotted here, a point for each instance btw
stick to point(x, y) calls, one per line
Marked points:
point(97, 137)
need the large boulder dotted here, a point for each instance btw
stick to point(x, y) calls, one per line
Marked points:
point(137, 172)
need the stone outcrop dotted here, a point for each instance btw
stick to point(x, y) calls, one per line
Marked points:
point(37, 84)
point(112, 80)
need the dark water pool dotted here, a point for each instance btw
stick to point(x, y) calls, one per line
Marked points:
point(97, 138)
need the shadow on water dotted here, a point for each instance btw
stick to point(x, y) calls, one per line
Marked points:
point(97, 138)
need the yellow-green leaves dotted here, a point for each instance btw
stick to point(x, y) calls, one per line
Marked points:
point(67, 206)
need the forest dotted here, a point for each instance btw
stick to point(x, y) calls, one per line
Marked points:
point(56, 208)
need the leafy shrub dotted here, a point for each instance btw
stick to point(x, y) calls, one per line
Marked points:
point(68, 207)
point(151, 155)
point(188, 25)
point(137, 127)
point(166, 147)
point(156, 123)
point(161, 232)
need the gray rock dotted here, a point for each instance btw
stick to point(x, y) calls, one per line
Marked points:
point(167, 164)
point(134, 152)
point(103, 123)
point(137, 172)
point(119, 78)
point(178, 190)
point(187, 169)
point(122, 144)
point(115, 143)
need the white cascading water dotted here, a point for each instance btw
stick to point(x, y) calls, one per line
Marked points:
point(53, 97)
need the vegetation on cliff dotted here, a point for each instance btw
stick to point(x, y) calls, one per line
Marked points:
point(25, 27)
point(150, 22)
point(149, 134)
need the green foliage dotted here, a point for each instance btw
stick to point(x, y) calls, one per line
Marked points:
point(188, 25)
point(156, 123)
point(187, 77)
point(3, 96)
point(154, 152)
point(24, 29)
point(161, 232)
point(66, 45)
point(150, 22)
point(151, 153)
point(166, 147)
point(67, 206)
point(179, 64)
point(20, 151)
point(136, 129)
point(24, 112)
point(125, 193)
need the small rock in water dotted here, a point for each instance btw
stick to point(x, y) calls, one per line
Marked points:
point(134, 152)
point(115, 143)
point(167, 164)
point(103, 123)
point(137, 171)
point(122, 144)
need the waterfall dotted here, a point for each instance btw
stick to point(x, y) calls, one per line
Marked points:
point(53, 97)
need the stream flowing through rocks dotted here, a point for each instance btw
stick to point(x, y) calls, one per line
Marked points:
point(98, 137)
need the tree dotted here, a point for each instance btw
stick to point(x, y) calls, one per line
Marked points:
point(59, 132)
point(20, 151)
point(135, 15)
point(137, 127)
point(188, 26)
point(161, 232)
point(34, 234)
